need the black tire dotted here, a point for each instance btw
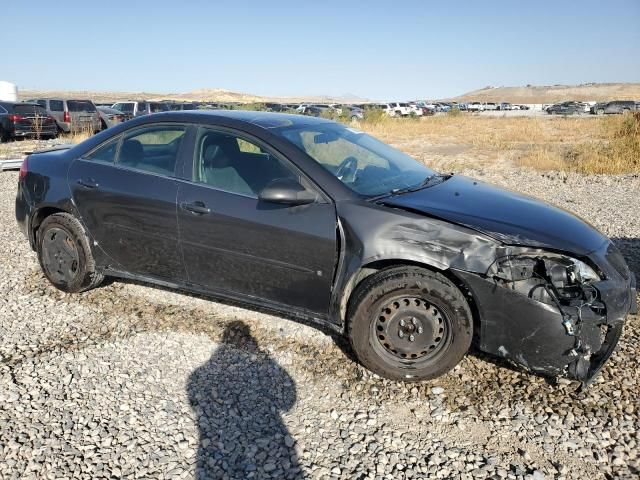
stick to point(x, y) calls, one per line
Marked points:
point(65, 255)
point(600, 111)
point(430, 306)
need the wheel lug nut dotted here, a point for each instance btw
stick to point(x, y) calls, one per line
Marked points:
point(400, 333)
point(411, 338)
point(420, 329)
point(414, 321)
point(402, 322)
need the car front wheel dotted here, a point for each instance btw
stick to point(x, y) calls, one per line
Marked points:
point(64, 254)
point(409, 324)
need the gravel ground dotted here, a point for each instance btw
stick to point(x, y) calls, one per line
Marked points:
point(134, 381)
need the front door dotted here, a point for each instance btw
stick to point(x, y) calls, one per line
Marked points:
point(234, 243)
point(125, 192)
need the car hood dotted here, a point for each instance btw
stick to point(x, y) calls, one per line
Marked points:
point(509, 217)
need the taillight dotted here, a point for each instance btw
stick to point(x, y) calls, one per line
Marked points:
point(24, 168)
point(66, 118)
point(15, 118)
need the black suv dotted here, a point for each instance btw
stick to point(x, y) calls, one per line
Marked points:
point(25, 120)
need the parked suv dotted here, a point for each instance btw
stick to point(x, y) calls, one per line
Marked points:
point(401, 109)
point(25, 120)
point(618, 106)
point(136, 109)
point(72, 115)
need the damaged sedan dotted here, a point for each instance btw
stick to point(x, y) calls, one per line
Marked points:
point(315, 220)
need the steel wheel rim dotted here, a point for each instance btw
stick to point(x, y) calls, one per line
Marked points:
point(60, 256)
point(409, 330)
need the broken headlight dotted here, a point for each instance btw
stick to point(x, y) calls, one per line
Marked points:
point(547, 277)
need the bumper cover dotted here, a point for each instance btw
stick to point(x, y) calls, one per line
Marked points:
point(532, 334)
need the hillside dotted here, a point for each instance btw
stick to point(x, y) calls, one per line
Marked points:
point(554, 93)
point(205, 95)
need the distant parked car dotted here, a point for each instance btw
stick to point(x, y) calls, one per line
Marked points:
point(504, 106)
point(443, 107)
point(415, 110)
point(401, 109)
point(566, 108)
point(385, 107)
point(181, 106)
point(72, 115)
point(490, 106)
point(354, 112)
point(136, 109)
point(25, 120)
point(110, 117)
point(618, 106)
point(475, 107)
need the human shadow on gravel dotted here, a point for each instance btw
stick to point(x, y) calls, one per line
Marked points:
point(238, 396)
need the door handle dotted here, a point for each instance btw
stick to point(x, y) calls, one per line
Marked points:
point(88, 183)
point(196, 207)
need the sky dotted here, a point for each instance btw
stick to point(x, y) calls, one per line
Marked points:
point(380, 50)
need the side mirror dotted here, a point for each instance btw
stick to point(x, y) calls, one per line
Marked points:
point(286, 191)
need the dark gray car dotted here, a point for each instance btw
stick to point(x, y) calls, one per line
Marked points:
point(136, 109)
point(324, 223)
point(617, 106)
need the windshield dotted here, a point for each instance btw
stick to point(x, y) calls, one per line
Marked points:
point(364, 164)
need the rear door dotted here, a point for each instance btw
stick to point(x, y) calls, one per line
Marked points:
point(236, 244)
point(125, 192)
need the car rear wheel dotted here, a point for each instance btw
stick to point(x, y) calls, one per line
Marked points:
point(64, 254)
point(600, 111)
point(409, 324)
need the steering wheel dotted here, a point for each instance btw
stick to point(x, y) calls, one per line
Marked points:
point(347, 169)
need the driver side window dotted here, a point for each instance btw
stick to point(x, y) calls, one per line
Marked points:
point(236, 165)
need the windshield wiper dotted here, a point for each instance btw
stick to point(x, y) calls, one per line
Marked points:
point(429, 181)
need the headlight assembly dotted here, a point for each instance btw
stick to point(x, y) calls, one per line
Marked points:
point(547, 277)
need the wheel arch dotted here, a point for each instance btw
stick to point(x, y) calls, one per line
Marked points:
point(374, 267)
point(38, 216)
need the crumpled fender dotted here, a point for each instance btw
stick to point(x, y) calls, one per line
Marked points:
point(371, 234)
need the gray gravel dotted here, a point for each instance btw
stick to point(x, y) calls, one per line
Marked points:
point(135, 381)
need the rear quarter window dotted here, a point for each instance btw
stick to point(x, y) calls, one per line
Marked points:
point(56, 105)
point(106, 152)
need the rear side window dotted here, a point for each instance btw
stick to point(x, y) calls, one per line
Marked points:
point(42, 103)
point(152, 149)
point(142, 106)
point(106, 152)
point(56, 105)
point(80, 106)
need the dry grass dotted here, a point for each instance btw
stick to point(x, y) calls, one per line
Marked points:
point(582, 144)
point(499, 133)
point(616, 149)
point(77, 136)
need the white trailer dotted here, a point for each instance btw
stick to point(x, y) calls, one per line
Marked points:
point(8, 92)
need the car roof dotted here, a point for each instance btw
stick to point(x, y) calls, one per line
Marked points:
point(11, 104)
point(261, 119)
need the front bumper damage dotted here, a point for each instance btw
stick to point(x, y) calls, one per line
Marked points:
point(553, 339)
